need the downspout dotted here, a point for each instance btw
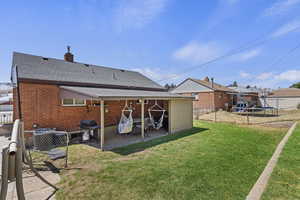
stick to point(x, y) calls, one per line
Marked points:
point(18, 93)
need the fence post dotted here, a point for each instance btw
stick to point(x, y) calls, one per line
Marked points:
point(248, 118)
point(215, 115)
point(4, 175)
point(19, 164)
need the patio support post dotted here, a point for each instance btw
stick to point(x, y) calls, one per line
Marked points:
point(143, 118)
point(102, 124)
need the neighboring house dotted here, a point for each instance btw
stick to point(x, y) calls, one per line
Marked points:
point(249, 95)
point(208, 94)
point(59, 94)
point(285, 98)
point(6, 100)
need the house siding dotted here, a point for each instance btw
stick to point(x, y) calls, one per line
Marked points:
point(180, 115)
point(41, 104)
point(191, 86)
point(286, 103)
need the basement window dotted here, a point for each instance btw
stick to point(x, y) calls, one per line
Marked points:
point(73, 102)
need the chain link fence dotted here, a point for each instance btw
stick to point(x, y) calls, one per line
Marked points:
point(47, 145)
point(29, 154)
point(246, 116)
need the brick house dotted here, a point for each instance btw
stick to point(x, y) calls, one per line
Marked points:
point(57, 93)
point(208, 94)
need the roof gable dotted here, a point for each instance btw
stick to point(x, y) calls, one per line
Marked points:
point(182, 87)
point(215, 86)
point(50, 69)
point(189, 86)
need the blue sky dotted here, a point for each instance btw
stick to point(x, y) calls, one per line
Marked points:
point(167, 40)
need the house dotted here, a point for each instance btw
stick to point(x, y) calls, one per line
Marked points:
point(6, 97)
point(249, 95)
point(285, 98)
point(57, 93)
point(208, 95)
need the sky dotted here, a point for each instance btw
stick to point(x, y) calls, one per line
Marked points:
point(252, 42)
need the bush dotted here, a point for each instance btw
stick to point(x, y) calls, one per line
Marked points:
point(298, 106)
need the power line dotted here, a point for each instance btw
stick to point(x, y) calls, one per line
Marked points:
point(281, 58)
point(256, 42)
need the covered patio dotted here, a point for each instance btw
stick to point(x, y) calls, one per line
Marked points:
point(174, 112)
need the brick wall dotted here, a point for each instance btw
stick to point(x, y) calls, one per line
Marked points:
point(221, 99)
point(209, 100)
point(41, 104)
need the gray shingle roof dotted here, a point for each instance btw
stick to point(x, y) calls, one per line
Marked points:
point(50, 69)
point(121, 93)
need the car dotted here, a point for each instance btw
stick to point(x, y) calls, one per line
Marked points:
point(240, 107)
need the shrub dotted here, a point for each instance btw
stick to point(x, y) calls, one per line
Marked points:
point(298, 106)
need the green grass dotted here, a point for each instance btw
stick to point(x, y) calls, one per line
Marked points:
point(285, 179)
point(212, 161)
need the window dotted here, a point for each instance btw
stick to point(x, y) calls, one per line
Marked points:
point(79, 102)
point(67, 102)
point(195, 95)
point(73, 102)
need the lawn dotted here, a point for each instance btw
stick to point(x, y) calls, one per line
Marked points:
point(212, 161)
point(285, 179)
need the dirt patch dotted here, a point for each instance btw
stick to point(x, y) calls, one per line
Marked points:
point(283, 124)
point(223, 116)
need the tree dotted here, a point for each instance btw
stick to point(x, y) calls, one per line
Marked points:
point(234, 84)
point(295, 85)
point(170, 87)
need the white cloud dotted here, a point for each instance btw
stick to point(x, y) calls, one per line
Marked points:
point(290, 75)
point(157, 74)
point(196, 53)
point(275, 80)
point(244, 74)
point(265, 75)
point(137, 13)
point(280, 7)
point(247, 55)
point(287, 28)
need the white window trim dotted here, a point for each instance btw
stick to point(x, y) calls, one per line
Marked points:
point(72, 105)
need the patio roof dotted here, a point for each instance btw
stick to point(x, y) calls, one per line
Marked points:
point(106, 93)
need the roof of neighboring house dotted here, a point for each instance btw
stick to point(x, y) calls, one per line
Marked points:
point(38, 68)
point(285, 92)
point(115, 93)
point(242, 89)
point(5, 99)
point(215, 87)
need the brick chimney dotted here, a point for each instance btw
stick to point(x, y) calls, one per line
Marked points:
point(69, 56)
point(212, 82)
point(206, 79)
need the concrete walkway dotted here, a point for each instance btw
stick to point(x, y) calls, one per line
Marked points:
point(34, 188)
point(260, 185)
